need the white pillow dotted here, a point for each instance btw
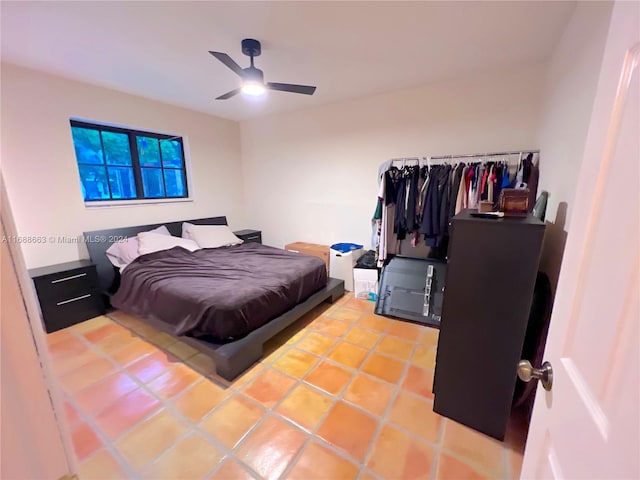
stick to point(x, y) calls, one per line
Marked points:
point(149, 242)
point(185, 230)
point(122, 253)
point(212, 236)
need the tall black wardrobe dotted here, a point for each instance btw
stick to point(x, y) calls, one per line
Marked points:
point(491, 272)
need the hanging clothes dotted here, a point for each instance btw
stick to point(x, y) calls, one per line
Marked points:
point(376, 221)
point(412, 198)
point(483, 194)
point(461, 200)
point(491, 182)
point(417, 202)
point(436, 204)
point(400, 223)
point(422, 190)
point(498, 183)
point(473, 189)
point(533, 185)
point(456, 181)
point(392, 179)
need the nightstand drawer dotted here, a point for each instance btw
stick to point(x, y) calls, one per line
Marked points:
point(249, 236)
point(65, 285)
point(257, 238)
point(67, 312)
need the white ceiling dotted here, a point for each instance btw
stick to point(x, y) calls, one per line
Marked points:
point(348, 49)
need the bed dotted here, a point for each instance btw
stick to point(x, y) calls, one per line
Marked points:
point(229, 300)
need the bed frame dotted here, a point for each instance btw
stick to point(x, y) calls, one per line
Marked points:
point(230, 358)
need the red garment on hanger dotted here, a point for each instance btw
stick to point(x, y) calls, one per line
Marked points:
point(484, 180)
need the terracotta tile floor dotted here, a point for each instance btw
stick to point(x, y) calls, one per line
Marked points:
point(343, 394)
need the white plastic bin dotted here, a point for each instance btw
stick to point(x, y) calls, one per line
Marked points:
point(365, 283)
point(341, 265)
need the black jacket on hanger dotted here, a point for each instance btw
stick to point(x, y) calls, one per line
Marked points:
point(434, 210)
point(414, 176)
point(400, 221)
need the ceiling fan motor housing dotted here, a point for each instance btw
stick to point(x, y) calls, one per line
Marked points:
point(253, 74)
point(251, 47)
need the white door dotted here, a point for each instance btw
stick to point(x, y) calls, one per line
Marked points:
point(36, 443)
point(588, 425)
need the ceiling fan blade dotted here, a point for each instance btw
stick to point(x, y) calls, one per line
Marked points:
point(228, 61)
point(288, 87)
point(229, 94)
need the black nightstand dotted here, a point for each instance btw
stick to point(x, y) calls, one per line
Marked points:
point(68, 293)
point(249, 236)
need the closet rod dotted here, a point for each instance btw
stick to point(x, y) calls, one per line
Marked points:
point(466, 155)
point(494, 154)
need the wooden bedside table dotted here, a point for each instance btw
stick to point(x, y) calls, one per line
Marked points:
point(68, 293)
point(249, 236)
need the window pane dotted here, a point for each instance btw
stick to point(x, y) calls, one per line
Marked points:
point(174, 180)
point(87, 145)
point(94, 182)
point(171, 153)
point(152, 182)
point(148, 151)
point(116, 148)
point(122, 183)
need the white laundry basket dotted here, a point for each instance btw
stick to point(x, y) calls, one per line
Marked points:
point(341, 265)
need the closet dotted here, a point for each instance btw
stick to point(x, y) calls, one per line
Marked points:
point(418, 196)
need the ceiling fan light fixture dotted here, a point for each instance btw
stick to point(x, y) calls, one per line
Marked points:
point(253, 88)
point(252, 77)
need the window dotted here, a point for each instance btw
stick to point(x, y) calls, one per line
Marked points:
point(123, 164)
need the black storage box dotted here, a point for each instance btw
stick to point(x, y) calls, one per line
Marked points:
point(412, 289)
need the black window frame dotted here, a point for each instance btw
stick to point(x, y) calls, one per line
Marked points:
point(132, 135)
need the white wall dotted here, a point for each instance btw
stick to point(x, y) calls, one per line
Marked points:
point(311, 175)
point(570, 86)
point(41, 176)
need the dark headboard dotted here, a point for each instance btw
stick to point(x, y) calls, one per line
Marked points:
point(99, 241)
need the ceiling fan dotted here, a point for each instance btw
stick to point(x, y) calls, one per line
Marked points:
point(252, 77)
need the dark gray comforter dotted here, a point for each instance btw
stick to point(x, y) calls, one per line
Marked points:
point(222, 292)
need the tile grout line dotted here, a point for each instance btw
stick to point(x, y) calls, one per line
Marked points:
point(506, 464)
point(192, 427)
point(397, 390)
point(336, 398)
point(462, 459)
point(385, 414)
point(164, 404)
point(300, 382)
point(232, 459)
point(467, 462)
point(362, 463)
point(229, 452)
point(271, 411)
point(397, 386)
point(233, 389)
point(109, 445)
point(438, 449)
point(167, 404)
point(355, 372)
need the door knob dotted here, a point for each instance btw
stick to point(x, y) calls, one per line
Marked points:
point(545, 374)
